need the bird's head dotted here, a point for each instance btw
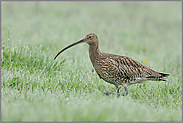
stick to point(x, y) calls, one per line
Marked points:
point(90, 39)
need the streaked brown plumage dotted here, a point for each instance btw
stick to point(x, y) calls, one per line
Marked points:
point(115, 69)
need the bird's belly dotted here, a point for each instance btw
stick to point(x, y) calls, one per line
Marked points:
point(112, 79)
point(117, 80)
point(138, 80)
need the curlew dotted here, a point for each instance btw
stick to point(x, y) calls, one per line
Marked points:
point(114, 69)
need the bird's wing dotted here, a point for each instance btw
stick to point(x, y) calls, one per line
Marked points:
point(129, 68)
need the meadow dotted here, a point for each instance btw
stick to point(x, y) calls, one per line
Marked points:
point(35, 87)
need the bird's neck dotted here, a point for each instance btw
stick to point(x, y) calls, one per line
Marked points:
point(94, 52)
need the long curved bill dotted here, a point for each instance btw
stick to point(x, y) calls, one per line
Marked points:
point(81, 41)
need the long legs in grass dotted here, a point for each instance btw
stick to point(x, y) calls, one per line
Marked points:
point(118, 94)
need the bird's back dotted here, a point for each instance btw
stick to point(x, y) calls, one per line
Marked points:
point(119, 70)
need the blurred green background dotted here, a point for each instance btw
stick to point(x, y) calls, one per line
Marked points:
point(120, 26)
point(32, 83)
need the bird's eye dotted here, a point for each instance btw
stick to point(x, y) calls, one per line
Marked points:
point(89, 37)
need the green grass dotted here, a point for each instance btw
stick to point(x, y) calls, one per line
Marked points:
point(34, 87)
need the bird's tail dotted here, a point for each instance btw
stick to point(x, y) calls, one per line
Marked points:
point(158, 78)
point(164, 75)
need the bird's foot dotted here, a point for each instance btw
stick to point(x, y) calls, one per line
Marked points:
point(107, 93)
point(118, 94)
point(123, 94)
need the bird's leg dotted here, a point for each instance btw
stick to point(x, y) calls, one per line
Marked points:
point(126, 92)
point(107, 93)
point(118, 94)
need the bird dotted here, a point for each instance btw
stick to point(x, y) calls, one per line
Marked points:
point(115, 69)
